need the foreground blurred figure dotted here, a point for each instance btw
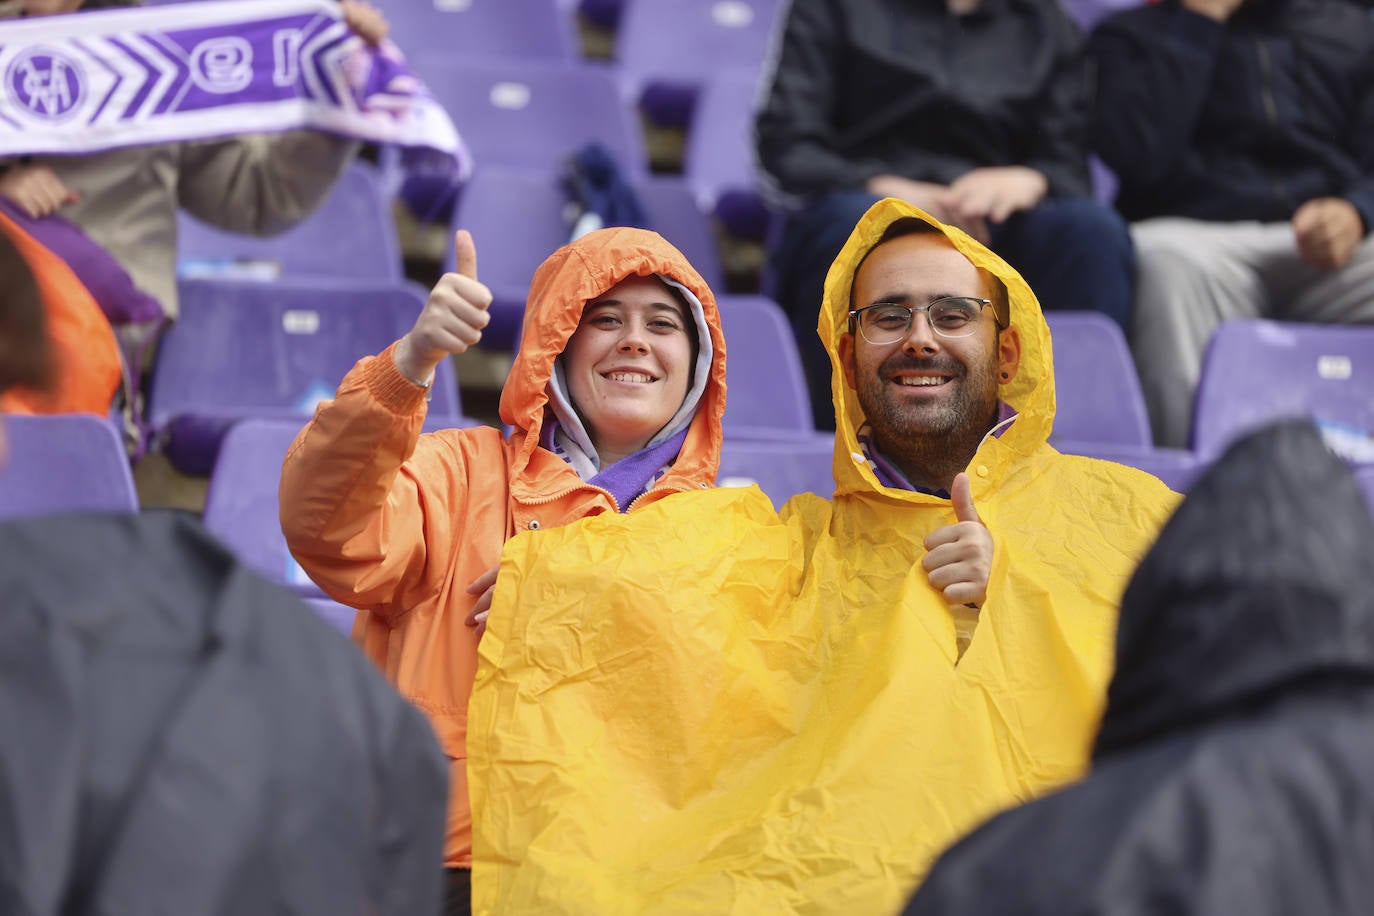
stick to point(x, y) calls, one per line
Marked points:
point(182, 736)
point(1232, 772)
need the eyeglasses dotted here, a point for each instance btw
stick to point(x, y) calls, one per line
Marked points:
point(889, 322)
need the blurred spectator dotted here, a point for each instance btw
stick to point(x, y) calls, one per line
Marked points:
point(972, 110)
point(1232, 770)
point(181, 735)
point(1242, 135)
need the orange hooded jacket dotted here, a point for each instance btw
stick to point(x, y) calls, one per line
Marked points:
point(87, 369)
point(397, 524)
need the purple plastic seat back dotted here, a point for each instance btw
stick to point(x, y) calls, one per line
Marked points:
point(666, 50)
point(241, 501)
point(1256, 371)
point(534, 114)
point(519, 217)
point(532, 29)
point(352, 234)
point(675, 215)
point(782, 468)
point(1097, 390)
point(718, 161)
point(273, 349)
point(1177, 467)
point(767, 395)
point(64, 463)
point(242, 509)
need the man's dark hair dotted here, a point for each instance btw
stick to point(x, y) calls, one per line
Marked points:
point(910, 225)
point(23, 341)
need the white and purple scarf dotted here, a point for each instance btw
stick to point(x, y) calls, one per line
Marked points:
point(194, 71)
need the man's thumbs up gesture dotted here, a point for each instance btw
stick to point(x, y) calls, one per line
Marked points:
point(452, 319)
point(958, 557)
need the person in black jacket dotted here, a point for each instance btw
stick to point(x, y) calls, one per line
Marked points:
point(1232, 772)
point(973, 110)
point(1242, 135)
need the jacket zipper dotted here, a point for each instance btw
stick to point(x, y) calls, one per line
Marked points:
point(1271, 112)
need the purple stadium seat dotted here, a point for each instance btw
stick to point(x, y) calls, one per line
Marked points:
point(1177, 467)
point(241, 501)
point(674, 214)
point(533, 114)
point(718, 161)
point(781, 469)
point(244, 348)
point(667, 49)
point(64, 463)
point(1256, 371)
point(352, 234)
point(1096, 387)
point(518, 217)
point(767, 392)
point(514, 29)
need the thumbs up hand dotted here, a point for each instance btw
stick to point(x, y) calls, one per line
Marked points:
point(453, 317)
point(958, 558)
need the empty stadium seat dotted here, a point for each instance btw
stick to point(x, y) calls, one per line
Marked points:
point(1256, 371)
point(514, 29)
point(241, 510)
point(243, 348)
point(782, 469)
point(533, 114)
point(718, 160)
point(767, 392)
point(667, 49)
point(519, 217)
point(63, 463)
point(1096, 387)
point(352, 234)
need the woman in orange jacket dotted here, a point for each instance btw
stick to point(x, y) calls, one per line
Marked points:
point(615, 401)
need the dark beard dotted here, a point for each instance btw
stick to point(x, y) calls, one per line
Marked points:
point(931, 448)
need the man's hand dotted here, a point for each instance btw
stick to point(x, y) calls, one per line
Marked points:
point(1328, 230)
point(1220, 10)
point(991, 194)
point(958, 558)
point(453, 317)
point(927, 195)
point(484, 586)
point(35, 189)
point(366, 21)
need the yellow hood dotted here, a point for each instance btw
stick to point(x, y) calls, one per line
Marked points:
point(1030, 393)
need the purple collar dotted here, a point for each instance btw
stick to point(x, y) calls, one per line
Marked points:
point(631, 475)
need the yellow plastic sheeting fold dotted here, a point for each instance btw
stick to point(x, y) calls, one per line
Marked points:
point(702, 708)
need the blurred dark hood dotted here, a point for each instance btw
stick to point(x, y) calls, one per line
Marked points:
point(1259, 581)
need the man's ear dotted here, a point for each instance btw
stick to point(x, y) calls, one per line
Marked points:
point(1008, 354)
point(846, 351)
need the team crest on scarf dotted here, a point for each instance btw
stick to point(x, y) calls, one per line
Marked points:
point(100, 80)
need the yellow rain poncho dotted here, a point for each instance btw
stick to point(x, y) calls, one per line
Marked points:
point(710, 707)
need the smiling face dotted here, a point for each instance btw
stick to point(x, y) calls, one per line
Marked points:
point(629, 365)
point(925, 386)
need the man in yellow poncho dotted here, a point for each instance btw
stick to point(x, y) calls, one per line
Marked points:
point(710, 707)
